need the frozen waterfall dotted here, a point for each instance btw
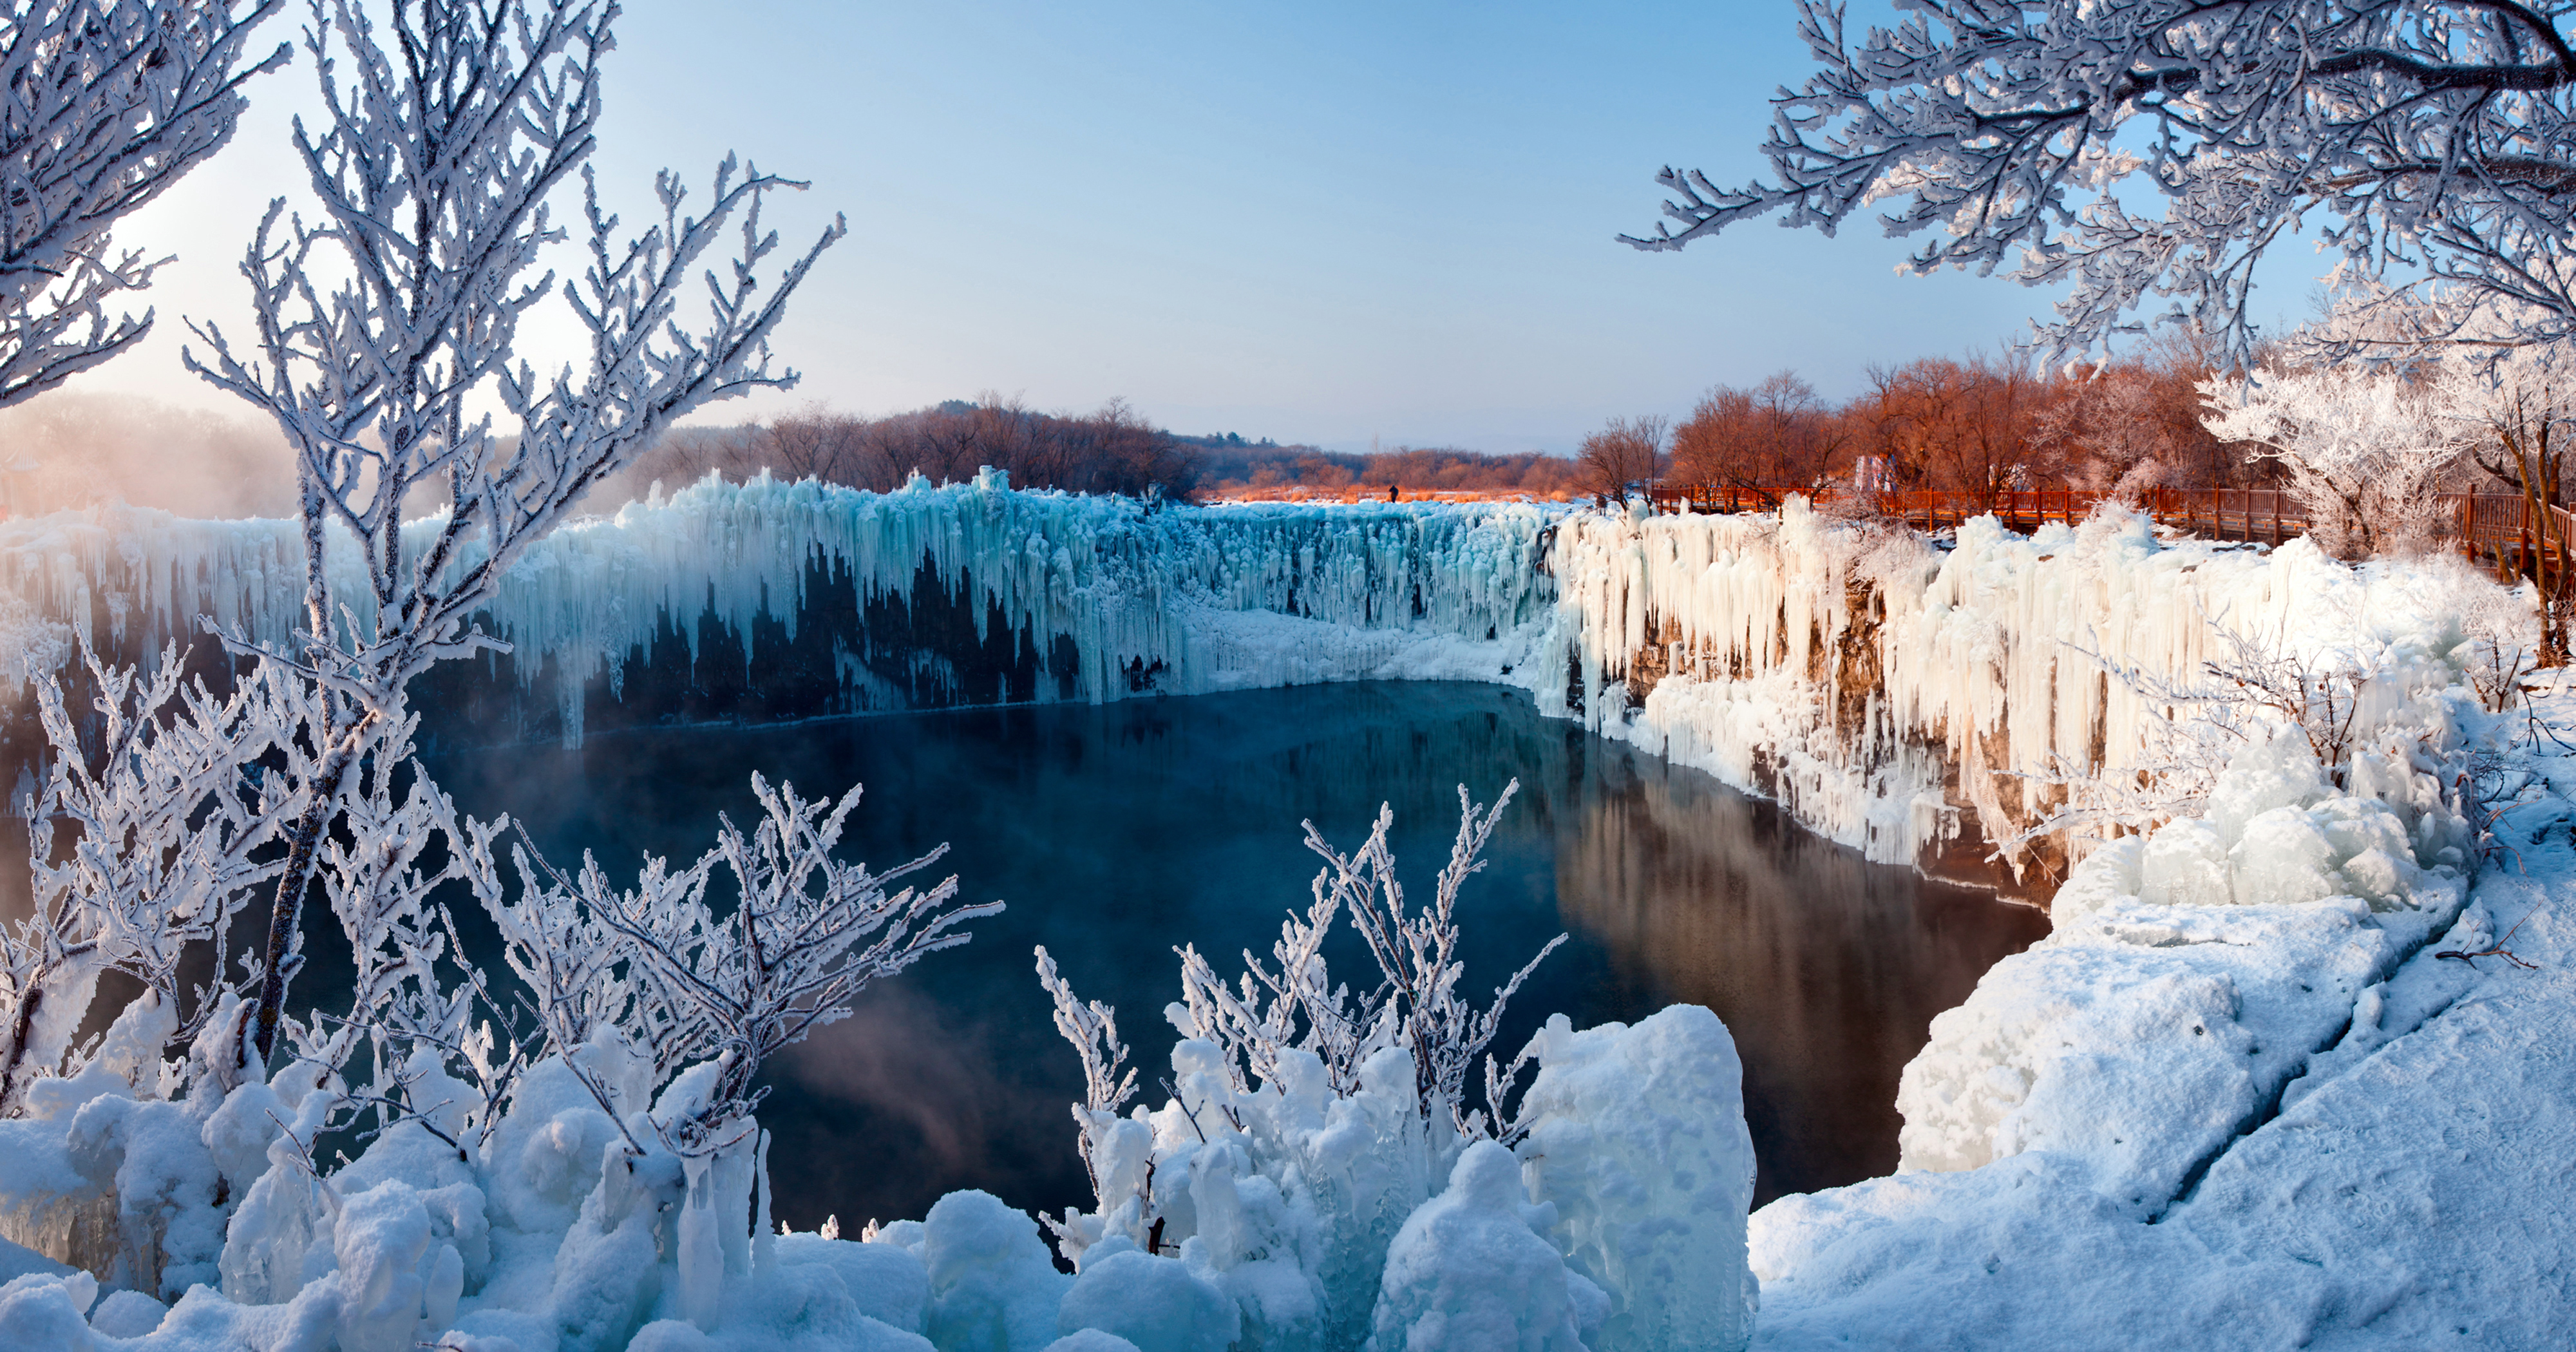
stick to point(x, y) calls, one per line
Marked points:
point(1895, 695)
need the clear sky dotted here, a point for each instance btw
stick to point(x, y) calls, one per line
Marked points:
point(1324, 222)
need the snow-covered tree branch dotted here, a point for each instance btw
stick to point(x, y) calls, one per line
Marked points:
point(1293, 1012)
point(2427, 138)
point(1417, 952)
point(103, 105)
point(167, 820)
point(807, 935)
point(387, 330)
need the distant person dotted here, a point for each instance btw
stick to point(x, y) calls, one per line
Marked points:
point(1390, 493)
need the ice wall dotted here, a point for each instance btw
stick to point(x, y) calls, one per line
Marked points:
point(1909, 699)
point(1113, 598)
point(1895, 695)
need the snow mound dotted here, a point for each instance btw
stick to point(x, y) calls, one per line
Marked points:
point(992, 1286)
point(1469, 1272)
point(1637, 1142)
point(2188, 980)
point(1155, 1304)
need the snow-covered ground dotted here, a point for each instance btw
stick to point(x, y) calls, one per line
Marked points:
point(2238, 1098)
point(2414, 1187)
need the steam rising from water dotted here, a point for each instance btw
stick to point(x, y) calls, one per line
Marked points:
point(70, 449)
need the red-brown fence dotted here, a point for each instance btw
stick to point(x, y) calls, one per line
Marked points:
point(2492, 528)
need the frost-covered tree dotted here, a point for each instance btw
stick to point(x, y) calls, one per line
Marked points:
point(2431, 139)
point(2362, 451)
point(386, 341)
point(1622, 456)
point(2515, 411)
point(103, 105)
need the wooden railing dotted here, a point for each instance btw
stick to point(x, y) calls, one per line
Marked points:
point(2492, 528)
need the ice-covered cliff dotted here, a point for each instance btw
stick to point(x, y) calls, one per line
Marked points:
point(930, 596)
point(1912, 699)
point(1904, 698)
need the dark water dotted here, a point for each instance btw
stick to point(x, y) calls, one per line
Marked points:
point(1118, 832)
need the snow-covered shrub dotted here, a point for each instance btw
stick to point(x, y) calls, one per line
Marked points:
point(1307, 1124)
point(557, 1185)
point(1306, 1140)
point(166, 825)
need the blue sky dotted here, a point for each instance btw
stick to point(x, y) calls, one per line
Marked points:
point(1334, 223)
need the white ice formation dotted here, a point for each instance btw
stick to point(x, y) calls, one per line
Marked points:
point(1890, 695)
point(1202, 599)
point(1338, 1220)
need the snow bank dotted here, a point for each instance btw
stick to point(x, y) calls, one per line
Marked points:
point(2249, 1094)
point(2187, 979)
point(1637, 1142)
point(2414, 1195)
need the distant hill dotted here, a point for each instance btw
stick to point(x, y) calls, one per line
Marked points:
point(1231, 464)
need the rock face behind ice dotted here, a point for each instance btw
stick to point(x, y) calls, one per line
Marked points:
point(1638, 1142)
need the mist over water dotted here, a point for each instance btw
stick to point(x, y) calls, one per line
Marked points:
point(1119, 832)
point(67, 449)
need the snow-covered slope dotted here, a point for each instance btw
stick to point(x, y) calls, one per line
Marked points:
point(2404, 1180)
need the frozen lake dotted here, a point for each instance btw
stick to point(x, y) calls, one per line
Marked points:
point(1119, 832)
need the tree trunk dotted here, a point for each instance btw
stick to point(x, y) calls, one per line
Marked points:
point(19, 1029)
point(286, 913)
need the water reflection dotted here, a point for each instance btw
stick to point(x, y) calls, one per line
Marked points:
point(1118, 832)
point(1828, 969)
